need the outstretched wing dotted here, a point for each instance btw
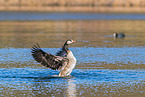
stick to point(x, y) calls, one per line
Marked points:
point(62, 53)
point(47, 59)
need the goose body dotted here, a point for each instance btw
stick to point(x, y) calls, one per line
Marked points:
point(66, 70)
point(64, 61)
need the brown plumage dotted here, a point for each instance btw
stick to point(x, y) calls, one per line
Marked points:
point(64, 60)
point(47, 59)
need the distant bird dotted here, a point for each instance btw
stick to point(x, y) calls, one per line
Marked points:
point(120, 35)
point(64, 60)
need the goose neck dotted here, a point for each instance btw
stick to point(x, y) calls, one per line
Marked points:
point(65, 47)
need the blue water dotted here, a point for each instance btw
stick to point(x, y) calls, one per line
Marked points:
point(10, 16)
point(124, 55)
point(106, 70)
point(30, 80)
point(28, 75)
point(20, 72)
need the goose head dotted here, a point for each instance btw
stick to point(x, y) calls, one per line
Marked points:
point(64, 50)
point(69, 41)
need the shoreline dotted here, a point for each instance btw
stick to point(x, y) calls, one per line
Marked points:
point(78, 9)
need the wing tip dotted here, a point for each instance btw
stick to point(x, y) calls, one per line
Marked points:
point(35, 47)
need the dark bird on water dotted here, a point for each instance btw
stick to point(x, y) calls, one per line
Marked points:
point(119, 35)
point(64, 60)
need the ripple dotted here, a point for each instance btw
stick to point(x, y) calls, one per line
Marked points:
point(100, 56)
point(28, 81)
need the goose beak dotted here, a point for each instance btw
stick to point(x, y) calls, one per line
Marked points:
point(74, 41)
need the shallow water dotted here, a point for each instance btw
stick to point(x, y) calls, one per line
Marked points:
point(105, 66)
point(83, 82)
point(87, 57)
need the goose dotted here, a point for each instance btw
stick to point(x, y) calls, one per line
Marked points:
point(64, 61)
point(120, 35)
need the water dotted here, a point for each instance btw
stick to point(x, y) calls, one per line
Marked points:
point(35, 82)
point(67, 16)
point(105, 66)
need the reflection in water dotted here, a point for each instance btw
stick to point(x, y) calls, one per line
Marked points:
point(54, 33)
point(71, 90)
point(91, 82)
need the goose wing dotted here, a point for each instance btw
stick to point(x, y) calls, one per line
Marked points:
point(47, 59)
point(62, 53)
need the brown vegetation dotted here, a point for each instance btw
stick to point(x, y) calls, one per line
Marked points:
point(93, 3)
point(73, 5)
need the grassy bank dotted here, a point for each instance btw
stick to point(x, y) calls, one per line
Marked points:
point(44, 3)
point(78, 9)
point(74, 5)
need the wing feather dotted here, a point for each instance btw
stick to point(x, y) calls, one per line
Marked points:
point(62, 53)
point(47, 59)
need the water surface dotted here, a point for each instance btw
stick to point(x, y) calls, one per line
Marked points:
point(105, 66)
point(11, 16)
point(103, 82)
